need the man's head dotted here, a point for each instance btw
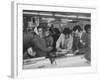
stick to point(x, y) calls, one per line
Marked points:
point(47, 32)
point(77, 29)
point(67, 32)
point(87, 28)
point(40, 30)
point(31, 24)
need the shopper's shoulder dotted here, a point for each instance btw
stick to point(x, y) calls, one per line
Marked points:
point(71, 36)
point(36, 37)
point(61, 35)
point(50, 37)
point(84, 34)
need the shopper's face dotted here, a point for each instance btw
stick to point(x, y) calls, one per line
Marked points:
point(40, 30)
point(47, 33)
point(30, 24)
point(89, 31)
point(66, 36)
point(77, 33)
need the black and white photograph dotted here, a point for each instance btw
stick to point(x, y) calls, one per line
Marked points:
point(52, 39)
point(56, 39)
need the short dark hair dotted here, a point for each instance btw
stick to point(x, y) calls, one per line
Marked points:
point(39, 27)
point(56, 30)
point(77, 27)
point(67, 31)
point(87, 27)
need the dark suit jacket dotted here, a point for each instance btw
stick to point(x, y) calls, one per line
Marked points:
point(41, 48)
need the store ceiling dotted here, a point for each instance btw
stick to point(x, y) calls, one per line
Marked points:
point(67, 15)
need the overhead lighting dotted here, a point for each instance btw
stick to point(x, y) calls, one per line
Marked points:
point(38, 13)
point(34, 13)
point(84, 17)
point(59, 15)
point(65, 20)
point(46, 14)
point(69, 16)
point(48, 19)
point(51, 19)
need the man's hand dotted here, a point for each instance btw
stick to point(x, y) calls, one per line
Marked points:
point(76, 51)
point(50, 48)
point(59, 49)
point(63, 51)
point(82, 42)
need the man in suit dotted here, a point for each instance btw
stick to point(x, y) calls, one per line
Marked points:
point(40, 43)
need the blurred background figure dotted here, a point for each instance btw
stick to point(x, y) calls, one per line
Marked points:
point(87, 41)
point(77, 35)
point(81, 45)
point(55, 35)
point(28, 44)
point(48, 38)
point(28, 36)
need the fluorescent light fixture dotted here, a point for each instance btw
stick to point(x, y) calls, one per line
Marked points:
point(34, 13)
point(48, 19)
point(59, 15)
point(44, 18)
point(38, 13)
point(84, 17)
point(69, 16)
point(65, 20)
point(45, 14)
point(51, 19)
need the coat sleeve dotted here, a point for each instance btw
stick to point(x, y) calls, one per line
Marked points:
point(70, 43)
point(58, 43)
point(37, 44)
point(51, 41)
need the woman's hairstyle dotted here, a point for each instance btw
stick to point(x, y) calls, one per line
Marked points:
point(67, 31)
point(77, 27)
point(39, 27)
point(87, 27)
